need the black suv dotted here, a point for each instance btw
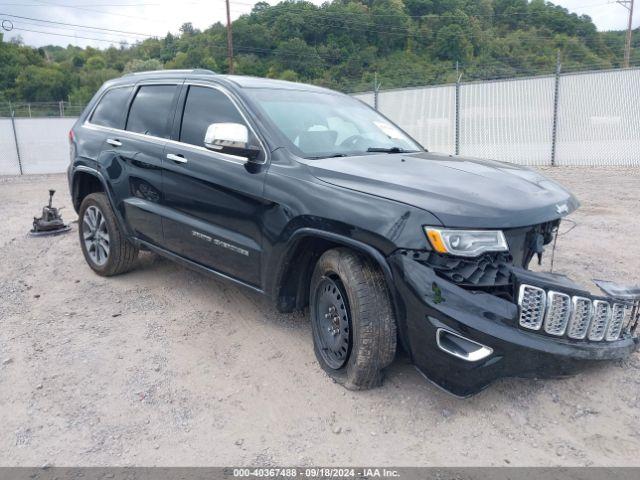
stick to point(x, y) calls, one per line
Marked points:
point(315, 199)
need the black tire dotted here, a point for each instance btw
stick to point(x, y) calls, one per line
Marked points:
point(121, 254)
point(362, 310)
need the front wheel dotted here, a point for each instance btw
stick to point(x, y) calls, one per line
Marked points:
point(354, 329)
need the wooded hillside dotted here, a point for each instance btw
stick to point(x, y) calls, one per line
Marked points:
point(340, 44)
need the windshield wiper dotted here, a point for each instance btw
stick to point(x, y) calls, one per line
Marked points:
point(387, 150)
point(333, 155)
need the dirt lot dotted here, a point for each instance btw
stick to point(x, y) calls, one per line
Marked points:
point(164, 366)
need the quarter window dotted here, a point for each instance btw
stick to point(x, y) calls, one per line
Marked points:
point(151, 109)
point(203, 107)
point(110, 110)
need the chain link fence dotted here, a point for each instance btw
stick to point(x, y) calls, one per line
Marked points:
point(585, 118)
point(40, 109)
point(596, 117)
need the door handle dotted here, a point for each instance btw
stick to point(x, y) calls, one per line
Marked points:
point(176, 158)
point(114, 142)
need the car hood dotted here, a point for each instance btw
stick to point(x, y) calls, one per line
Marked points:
point(460, 192)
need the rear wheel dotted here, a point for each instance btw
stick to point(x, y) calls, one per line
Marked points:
point(354, 330)
point(105, 248)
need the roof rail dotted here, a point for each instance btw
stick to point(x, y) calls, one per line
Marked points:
point(198, 71)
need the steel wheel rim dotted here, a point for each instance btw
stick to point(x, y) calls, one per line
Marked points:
point(332, 326)
point(95, 235)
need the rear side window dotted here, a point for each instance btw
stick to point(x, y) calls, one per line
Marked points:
point(110, 110)
point(151, 109)
point(203, 107)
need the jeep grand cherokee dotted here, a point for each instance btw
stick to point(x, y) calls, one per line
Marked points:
point(315, 199)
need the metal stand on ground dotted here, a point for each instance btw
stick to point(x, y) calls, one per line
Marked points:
point(50, 223)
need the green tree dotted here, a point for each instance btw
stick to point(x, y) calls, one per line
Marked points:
point(42, 84)
point(452, 44)
point(95, 62)
point(137, 65)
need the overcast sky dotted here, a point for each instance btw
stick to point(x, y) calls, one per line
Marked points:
point(156, 17)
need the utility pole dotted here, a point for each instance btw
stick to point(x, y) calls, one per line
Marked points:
point(229, 39)
point(628, 4)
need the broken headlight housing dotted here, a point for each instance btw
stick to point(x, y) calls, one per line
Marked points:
point(466, 243)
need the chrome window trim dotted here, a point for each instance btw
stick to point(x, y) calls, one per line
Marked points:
point(164, 141)
point(217, 155)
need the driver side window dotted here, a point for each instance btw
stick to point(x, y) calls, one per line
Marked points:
point(203, 107)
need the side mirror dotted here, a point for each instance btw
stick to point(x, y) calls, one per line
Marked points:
point(232, 139)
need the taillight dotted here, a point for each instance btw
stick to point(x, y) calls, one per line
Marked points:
point(72, 136)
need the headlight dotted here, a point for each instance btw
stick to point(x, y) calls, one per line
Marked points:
point(466, 243)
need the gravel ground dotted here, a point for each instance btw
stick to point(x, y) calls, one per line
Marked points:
point(164, 366)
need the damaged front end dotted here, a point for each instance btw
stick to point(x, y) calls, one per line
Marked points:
point(470, 321)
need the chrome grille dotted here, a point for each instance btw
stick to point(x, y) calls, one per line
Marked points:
point(576, 317)
point(580, 318)
point(620, 316)
point(558, 311)
point(633, 327)
point(601, 316)
point(532, 301)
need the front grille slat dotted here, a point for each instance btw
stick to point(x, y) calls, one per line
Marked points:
point(580, 318)
point(532, 301)
point(601, 316)
point(620, 316)
point(558, 311)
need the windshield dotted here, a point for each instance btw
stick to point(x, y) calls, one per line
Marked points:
point(320, 125)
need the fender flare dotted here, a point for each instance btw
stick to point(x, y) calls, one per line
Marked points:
point(95, 173)
point(370, 251)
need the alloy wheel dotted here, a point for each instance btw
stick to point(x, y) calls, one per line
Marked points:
point(95, 235)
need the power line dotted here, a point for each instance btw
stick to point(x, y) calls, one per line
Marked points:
point(210, 45)
point(77, 25)
point(72, 36)
point(286, 5)
point(398, 31)
point(55, 29)
point(51, 4)
point(407, 34)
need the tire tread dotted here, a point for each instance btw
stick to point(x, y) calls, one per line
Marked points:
point(370, 306)
point(122, 253)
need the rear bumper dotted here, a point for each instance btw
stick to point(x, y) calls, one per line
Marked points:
point(431, 303)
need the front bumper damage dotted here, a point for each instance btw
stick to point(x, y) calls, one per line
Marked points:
point(462, 339)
